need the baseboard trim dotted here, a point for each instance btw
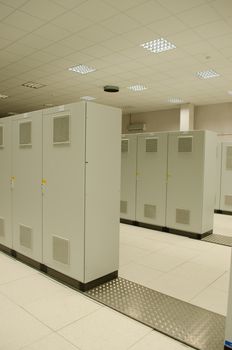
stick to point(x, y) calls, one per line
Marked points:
point(223, 212)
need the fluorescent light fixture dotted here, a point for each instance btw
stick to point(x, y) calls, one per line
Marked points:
point(3, 96)
point(137, 87)
point(33, 85)
point(82, 69)
point(87, 98)
point(207, 74)
point(158, 45)
point(175, 100)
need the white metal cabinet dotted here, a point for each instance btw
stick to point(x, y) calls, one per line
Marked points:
point(5, 176)
point(128, 176)
point(218, 182)
point(26, 183)
point(151, 179)
point(81, 177)
point(191, 181)
point(226, 177)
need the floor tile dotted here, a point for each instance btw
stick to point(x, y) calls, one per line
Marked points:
point(158, 341)
point(29, 289)
point(129, 253)
point(61, 309)
point(161, 261)
point(51, 342)
point(104, 330)
point(212, 299)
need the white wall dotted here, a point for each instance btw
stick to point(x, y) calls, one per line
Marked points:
point(161, 120)
point(217, 117)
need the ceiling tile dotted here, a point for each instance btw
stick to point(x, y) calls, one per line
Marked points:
point(5, 11)
point(123, 5)
point(68, 4)
point(34, 41)
point(77, 42)
point(214, 29)
point(20, 50)
point(23, 21)
point(223, 7)
point(170, 25)
point(96, 13)
point(120, 24)
point(184, 38)
point(97, 51)
point(71, 21)
point(148, 12)
point(117, 43)
point(59, 50)
point(43, 9)
point(176, 6)
point(4, 43)
point(96, 33)
point(51, 32)
point(199, 15)
point(140, 35)
point(221, 41)
point(10, 33)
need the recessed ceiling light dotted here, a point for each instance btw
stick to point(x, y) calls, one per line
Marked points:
point(175, 100)
point(12, 113)
point(230, 92)
point(207, 74)
point(158, 45)
point(137, 87)
point(48, 105)
point(33, 85)
point(87, 98)
point(82, 69)
point(3, 96)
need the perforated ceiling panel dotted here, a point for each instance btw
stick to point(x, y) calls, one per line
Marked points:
point(1, 135)
point(25, 134)
point(151, 145)
point(185, 143)
point(124, 146)
point(61, 129)
point(229, 158)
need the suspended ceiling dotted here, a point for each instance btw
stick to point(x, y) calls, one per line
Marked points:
point(40, 40)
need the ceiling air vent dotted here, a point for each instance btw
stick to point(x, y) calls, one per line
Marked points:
point(137, 127)
point(33, 85)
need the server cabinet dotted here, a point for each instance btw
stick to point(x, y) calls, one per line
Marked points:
point(228, 330)
point(152, 178)
point(218, 182)
point(26, 184)
point(81, 190)
point(226, 177)
point(5, 177)
point(191, 181)
point(128, 177)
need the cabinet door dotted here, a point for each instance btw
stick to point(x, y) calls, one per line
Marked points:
point(226, 177)
point(128, 177)
point(151, 179)
point(185, 181)
point(5, 174)
point(63, 189)
point(26, 183)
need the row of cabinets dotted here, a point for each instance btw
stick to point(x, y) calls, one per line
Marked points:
point(60, 188)
point(169, 180)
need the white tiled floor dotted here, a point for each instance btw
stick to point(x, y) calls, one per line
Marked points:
point(37, 313)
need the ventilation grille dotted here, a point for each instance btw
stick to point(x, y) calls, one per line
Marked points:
point(25, 134)
point(61, 250)
point(182, 216)
point(2, 227)
point(228, 200)
point(149, 211)
point(124, 146)
point(123, 207)
point(1, 135)
point(229, 158)
point(151, 145)
point(185, 143)
point(25, 236)
point(61, 129)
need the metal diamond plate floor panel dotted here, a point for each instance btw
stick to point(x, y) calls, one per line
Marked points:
point(192, 325)
point(219, 239)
